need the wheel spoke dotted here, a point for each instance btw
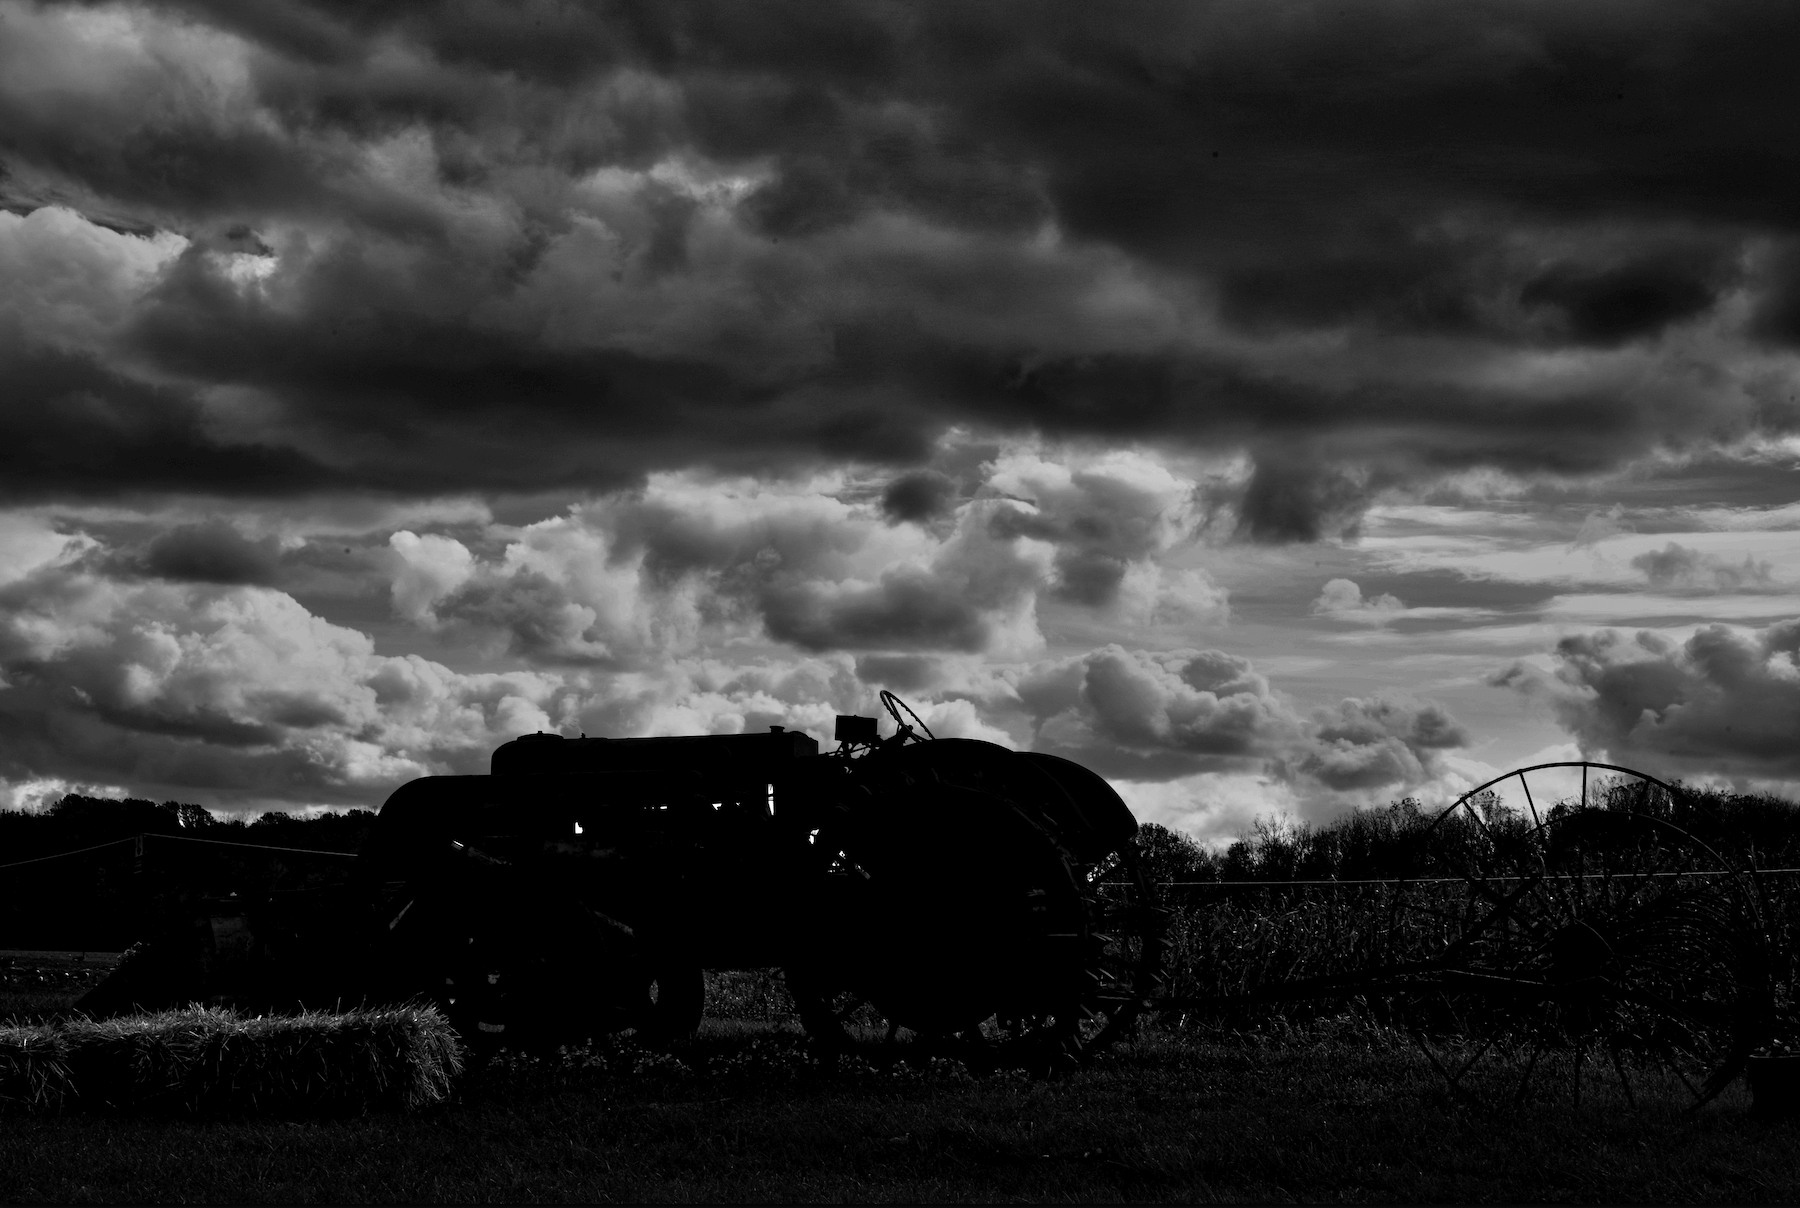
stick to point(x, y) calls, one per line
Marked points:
point(1619, 1068)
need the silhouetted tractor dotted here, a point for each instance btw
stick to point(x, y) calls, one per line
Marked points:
point(956, 889)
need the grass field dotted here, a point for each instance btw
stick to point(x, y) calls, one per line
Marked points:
point(746, 1112)
point(1331, 1111)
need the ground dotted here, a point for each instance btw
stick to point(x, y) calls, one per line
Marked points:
point(1333, 1112)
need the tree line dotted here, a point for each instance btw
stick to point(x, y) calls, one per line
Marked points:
point(77, 821)
point(1407, 839)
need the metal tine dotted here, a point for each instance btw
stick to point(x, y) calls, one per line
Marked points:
point(1470, 1063)
point(1537, 1050)
point(1462, 1092)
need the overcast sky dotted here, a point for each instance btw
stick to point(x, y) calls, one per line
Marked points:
point(1276, 407)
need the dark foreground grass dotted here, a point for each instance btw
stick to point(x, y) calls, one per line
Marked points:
point(746, 1113)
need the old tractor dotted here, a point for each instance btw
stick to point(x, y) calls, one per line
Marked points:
point(972, 895)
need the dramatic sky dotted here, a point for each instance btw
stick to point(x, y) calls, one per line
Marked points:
point(1275, 406)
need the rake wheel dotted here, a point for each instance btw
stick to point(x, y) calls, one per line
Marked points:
point(1591, 941)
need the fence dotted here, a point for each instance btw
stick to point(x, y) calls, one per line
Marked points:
point(100, 896)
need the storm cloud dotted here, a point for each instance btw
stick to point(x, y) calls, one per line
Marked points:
point(558, 247)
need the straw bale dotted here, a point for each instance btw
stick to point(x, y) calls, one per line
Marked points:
point(212, 1061)
point(34, 1069)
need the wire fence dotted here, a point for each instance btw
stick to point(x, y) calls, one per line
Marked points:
point(140, 840)
point(102, 896)
point(63, 855)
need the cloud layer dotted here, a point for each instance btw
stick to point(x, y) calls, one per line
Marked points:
point(380, 382)
point(180, 656)
point(553, 251)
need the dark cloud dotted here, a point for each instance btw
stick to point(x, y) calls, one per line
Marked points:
point(1615, 305)
point(1777, 318)
point(73, 427)
point(906, 609)
point(1450, 589)
point(1300, 498)
point(1719, 704)
point(557, 247)
point(1394, 285)
point(898, 672)
point(922, 495)
point(212, 553)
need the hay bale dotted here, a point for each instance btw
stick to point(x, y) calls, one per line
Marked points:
point(211, 1061)
point(34, 1069)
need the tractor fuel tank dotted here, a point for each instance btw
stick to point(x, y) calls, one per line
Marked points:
point(739, 755)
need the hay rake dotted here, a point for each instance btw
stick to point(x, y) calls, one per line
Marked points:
point(1581, 939)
